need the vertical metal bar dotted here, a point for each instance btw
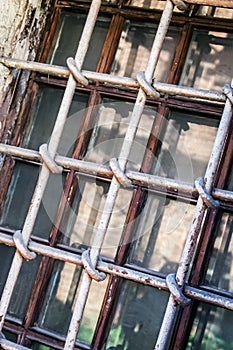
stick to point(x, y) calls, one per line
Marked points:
point(114, 187)
point(53, 145)
point(191, 241)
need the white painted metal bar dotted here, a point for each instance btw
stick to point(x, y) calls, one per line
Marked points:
point(124, 272)
point(190, 245)
point(53, 144)
point(93, 169)
point(163, 88)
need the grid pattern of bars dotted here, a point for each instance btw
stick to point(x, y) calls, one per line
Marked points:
point(207, 195)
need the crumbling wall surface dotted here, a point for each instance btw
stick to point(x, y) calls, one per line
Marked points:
point(21, 24)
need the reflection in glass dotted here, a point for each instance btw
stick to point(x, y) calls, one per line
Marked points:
point(59, 301)
point(38, 346)
point(135, 47)
point(214, 11)
point(208, 64)
point(151, 4)
point(186, 147)
point(212, 329)
point(71, 27)
point(108, 136)
point(24, 284)
point(83, 219)
point(229, 184)
point(161, 233)
point(220, 270)
point(138, 317)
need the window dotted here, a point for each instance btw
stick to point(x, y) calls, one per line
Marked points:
point(116, 190)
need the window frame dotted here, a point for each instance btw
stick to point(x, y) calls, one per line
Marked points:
point(96, 93)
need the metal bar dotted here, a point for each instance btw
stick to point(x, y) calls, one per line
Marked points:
point(115, 186)
point(53, 144)
point(8, 345)
point(123, 272)
point(189, 249)
point(94, 169)
point(114, 80)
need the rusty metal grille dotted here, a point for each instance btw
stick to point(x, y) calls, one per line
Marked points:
point(207, 196)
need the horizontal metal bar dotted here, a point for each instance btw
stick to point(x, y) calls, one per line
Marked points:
point(9, 345)
point(63, 72)
point(121, 271)
point(150, 181)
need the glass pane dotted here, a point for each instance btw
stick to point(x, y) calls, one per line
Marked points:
point(83, 219)
point(215, 12)
point(44, 115)
point(21, 190)
point(138, 317)
point(161, 233)
point(229, 184)
point(220, 270)
point(71, 26)
point(134, 50)
point(23, 288)
point(10, 336)
point(38, 346)
point(212, 329)
point(113, 120)
point(6, 256)
point(24, 177)
point(24, 283)
point(60, 298)
point(186, 147)
point(208, 64)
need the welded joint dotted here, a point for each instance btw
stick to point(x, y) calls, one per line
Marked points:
point(76, 73)
point(21, 246)
point(180, 4)
point(146, 86)
point(176, 291)
point(118, 173)
point(48, 160)
point(206, 197)
point(90, 269)
point(228, 91)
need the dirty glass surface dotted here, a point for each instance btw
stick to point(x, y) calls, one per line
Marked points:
point(182, 157)
point(112, 122)
point(162, 228)
point(208, 63)
point(24, 176)
point(138, 317)
point(134, 50)
point(82, 220)
point(220, 269)
point(69, 34)
point(20, 297)
point(59, 301)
